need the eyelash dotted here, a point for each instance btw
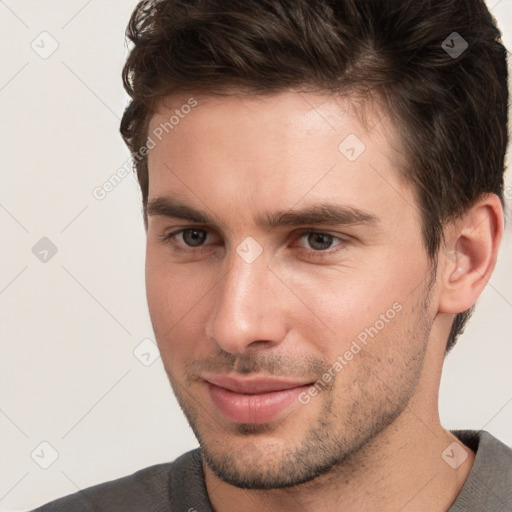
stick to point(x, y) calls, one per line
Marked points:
point(169, 239)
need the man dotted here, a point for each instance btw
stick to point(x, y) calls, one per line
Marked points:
point(322, 187)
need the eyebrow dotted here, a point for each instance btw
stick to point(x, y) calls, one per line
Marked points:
point(324, 213)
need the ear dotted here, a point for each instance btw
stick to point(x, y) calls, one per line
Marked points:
point(469, 254)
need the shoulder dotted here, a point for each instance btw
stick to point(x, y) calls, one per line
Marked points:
point(489, 483)
point(150, 489)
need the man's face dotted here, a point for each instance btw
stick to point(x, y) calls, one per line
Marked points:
point(249, 315)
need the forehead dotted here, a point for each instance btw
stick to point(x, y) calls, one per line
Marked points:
point(253, 152)
point(292, 113)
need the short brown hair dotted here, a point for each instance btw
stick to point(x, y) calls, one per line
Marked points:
point(451, 110)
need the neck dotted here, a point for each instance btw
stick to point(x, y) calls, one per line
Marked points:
point(400, 469)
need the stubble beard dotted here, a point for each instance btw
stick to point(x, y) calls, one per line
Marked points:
point(336, 438)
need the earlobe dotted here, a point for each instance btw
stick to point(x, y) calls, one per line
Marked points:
point(469, 259)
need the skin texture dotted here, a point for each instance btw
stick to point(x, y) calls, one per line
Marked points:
point(371, 439)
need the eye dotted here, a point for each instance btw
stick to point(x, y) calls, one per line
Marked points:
point(320, 243)
point(190, 237)
point(192, 240)
point(193, 237)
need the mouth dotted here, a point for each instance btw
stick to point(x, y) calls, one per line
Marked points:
point(253, 400)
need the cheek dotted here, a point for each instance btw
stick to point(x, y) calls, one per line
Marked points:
point(170, 287)
point(163, 287)
point(360, 302)
point(178, 298)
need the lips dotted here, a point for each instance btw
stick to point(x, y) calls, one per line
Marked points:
point(253, 400)
point(255, 385)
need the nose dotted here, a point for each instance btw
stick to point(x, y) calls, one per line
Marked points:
point(248, 311)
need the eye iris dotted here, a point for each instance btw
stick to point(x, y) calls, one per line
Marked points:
point(324, 241)
point(194, 237)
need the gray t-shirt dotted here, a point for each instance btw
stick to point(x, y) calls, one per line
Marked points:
point(179, 486)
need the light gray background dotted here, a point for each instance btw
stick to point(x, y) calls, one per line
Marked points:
point(69, 327)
